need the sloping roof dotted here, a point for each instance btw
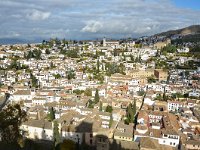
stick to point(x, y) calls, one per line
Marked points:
point(152, 144)
point(38, 124)
point(193, 142)
point(22, 92)
point(148, 143)
point(119, 145)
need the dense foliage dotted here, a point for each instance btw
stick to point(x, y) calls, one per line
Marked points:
point(11, 118)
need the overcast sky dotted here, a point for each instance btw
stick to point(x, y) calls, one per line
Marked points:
point(89, 19)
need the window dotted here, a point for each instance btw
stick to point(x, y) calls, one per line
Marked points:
point(91, 135)
point(90, 141)
point(170, 143)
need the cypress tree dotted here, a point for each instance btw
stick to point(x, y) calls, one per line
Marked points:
point(100, 106)
point(51, 115)
point(96, 98)
point(97, 65)
point(134, 108)
point(56, 134)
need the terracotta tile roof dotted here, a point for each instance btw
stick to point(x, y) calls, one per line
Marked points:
point(155, 133)
point(22, 92)
point(143, 114)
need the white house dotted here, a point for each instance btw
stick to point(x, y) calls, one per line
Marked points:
point(174, 105)
point(170, 138)
point(183, 50)
point(38, 129)
point(148, 101)
point(194, 93)
point(22, 95)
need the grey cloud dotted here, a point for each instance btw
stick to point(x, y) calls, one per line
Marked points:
point(93, 26)
point(85, 19)
point(38, 15)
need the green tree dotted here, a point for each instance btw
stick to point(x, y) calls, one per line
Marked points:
point(57, 76)
point(72, 53)
point(165, 97)
point(97, 65)
point(140, 93)
point(109, 109)
point(121, 68)
point(151, 79)
point(88, 92)
point(90, 104)
point(99, 77)
point(100, 106)
point(179, 95)
point(11, 119)
point(34, 81)
point(51, 114)
point(14, 65)
point(56, 134)
point(159, 97)
point(111, 120)
point(1, 84)
point(67, 145)
point(47, 51)
point(78, 92)
point(132, 58)
point(37, 54)
point(115, 52)
point(51, 65)
point(134, 108)
point(30, 55)
point(96, 98)
point(131, 113)
point(169, 49)
point(111, 68)
point(34, 54)
point(70, 74)
point(62, 51)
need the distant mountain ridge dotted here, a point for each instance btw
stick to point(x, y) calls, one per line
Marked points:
point(4, 41)
point(12, 41)
point(194, 29)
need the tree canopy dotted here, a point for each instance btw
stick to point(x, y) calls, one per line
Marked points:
point(70, 74)
point(11, 118)
point(34, 54)
point(109, 109)
point(34, 81)
point(169, 49)
point(67, 145)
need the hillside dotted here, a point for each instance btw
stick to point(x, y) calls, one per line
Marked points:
point(194, 29)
